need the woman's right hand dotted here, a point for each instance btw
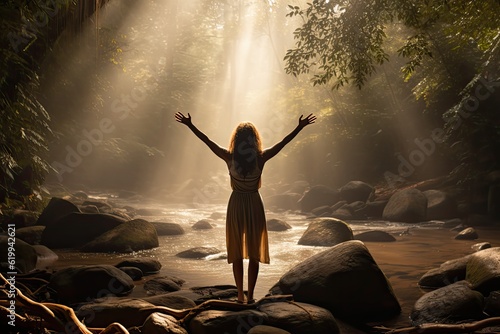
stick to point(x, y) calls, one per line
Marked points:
point(179, 117)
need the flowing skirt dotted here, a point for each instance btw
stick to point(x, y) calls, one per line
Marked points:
point(246, 230)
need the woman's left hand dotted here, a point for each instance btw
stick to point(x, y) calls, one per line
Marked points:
point(310, 119)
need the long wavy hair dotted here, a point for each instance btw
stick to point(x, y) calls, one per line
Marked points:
point(245, 146)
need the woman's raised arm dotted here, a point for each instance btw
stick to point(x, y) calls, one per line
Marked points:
point(218, 150)
point(272, 151)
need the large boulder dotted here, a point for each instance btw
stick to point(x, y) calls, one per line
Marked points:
point(492, 304)
point(105, 311)
point(468, 233)
point(342, 213)
point(318, 196)
point(30, 234)
point(455, 303)
point(373, 209)
point(55, 210)
point(356, 191)
point(480, 246)
point(160, 285)
point(45, 256)
point(83, 283)
point(277, 225)
point(23, 218)
point(346, 280)
point(131, 236)
point(76, 229)
point(168, 228)
point(159, 323)
point(375, 236)
point(17, 254)
point(483, 270)
point(203, 224)
point(407, 205)
point(300, 318)
point(135, 273)
point(217, 322)
point(198, 252)
point(448, 272)
point(322, 211)
point(440, 205)
point(146, 264)
point(326, 232)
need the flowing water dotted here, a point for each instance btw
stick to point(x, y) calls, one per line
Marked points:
point(404, 261)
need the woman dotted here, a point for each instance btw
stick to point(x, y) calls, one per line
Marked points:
point(246, 232)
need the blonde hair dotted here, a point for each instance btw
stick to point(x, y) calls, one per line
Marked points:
point(245, 146)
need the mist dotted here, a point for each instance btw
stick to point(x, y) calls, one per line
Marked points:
point(113, 89)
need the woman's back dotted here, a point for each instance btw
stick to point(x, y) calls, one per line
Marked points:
point(245, 183)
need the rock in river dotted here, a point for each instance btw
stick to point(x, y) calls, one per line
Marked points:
point(198, 252)
point(76, 229)
point(344, 279)
point(159, 323)
point(483, 270)
point(131, 236)
point(203, 224)
point(82, 283)
point(408, 205)
point(23, 254)
point(326, 232)
point(55, 210)
point(455, 303)
point(146, 264)
point(375, 236)
point(467, 234)
point(277, 225)
point(168, 228)
point(105, 311)
point(300, 318)
point(318, 196)
point(448, 272)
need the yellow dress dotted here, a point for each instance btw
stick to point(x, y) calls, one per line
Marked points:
point(246, 230)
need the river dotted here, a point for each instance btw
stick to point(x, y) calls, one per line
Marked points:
point(404, 261)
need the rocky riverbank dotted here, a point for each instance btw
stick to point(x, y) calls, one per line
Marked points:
point(350, 282)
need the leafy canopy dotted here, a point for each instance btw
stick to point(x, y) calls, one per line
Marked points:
point(342, 41)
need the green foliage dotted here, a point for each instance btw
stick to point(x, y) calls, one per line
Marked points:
point(25, 122)
point(28, 29)
point(341, 42)
point(446, 46)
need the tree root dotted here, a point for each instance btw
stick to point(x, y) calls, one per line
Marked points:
point(62, 318)
point(55, 317)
